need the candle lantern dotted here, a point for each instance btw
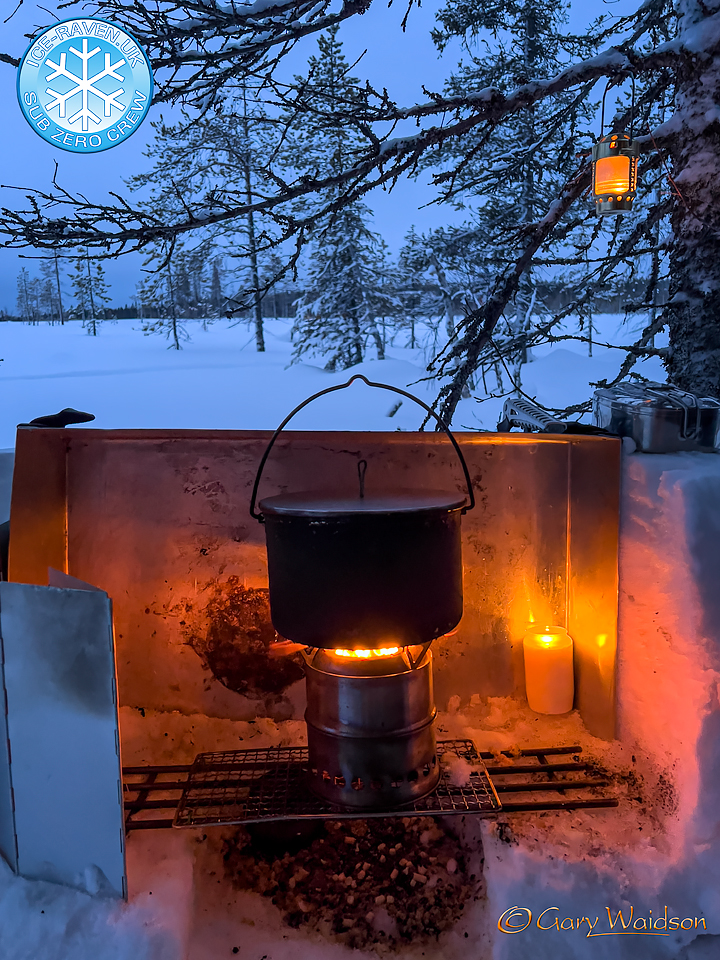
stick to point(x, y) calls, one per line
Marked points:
point(549, 679)
point(615, 168)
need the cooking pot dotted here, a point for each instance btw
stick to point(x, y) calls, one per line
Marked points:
point(367, 571)
point(659, 417)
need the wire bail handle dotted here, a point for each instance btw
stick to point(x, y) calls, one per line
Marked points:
point(341, 386)
point(632, 104)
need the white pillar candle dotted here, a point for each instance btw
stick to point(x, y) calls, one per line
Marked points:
point(549, 680)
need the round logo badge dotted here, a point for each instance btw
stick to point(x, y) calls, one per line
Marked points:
point(85, 85)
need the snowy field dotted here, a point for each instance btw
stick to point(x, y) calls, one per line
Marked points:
point(219, 381)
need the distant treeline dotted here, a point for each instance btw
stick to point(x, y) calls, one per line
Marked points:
point(283, 303)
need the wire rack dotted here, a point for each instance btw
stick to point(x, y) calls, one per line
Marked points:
point(251, 786)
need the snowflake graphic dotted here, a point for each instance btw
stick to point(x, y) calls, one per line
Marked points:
point(84, 86)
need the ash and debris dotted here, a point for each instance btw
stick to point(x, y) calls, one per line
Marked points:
point(232, 634)
point(365, 883)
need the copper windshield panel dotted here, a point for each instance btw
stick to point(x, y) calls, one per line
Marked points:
point(159, 519)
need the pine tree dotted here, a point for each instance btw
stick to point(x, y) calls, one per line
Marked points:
point(24, 301)
point(337, 314)
point(511, 174)
point(164, 290)
point(435, 281)
point(91, 291)
point(215, 160)
point(52, 293)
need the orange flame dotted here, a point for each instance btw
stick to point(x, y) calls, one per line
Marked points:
point(612, 175)
point(367, 654)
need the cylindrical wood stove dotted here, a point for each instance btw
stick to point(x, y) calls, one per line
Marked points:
point(365, 584)
point(370, 724)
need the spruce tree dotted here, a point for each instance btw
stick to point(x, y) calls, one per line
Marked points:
point(216, 299)
point(337, 314)
point(339, 309)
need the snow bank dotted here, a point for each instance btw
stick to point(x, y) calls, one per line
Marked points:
point(662, 851)
point(44, 921)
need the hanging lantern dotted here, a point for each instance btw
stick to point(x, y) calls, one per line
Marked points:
point(615, 167)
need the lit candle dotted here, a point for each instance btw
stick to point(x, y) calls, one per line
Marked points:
point(549, 681)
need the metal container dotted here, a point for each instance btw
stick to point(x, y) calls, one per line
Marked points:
point(659, 417)
point(364, 572)
point(367, 571)
point(371, 738)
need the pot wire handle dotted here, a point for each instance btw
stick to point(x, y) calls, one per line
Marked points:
point(341, 386)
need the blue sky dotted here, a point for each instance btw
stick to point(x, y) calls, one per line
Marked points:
point(402, 62)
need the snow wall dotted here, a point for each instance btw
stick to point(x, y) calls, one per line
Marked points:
point(669, 724)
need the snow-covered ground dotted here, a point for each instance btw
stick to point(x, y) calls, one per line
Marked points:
point(219, 381)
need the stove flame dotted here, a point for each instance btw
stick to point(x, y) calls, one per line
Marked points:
point(368, 654)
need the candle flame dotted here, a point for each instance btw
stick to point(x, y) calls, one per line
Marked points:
point(548, 636)
point(612, 175)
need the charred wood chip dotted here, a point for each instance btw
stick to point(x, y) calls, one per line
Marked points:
point(360, 898)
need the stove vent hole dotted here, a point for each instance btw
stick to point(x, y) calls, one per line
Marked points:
point(339, 781)
point(396, 782)
point(426, 770)
point(326, 776)
point(412, 776)
point(357, 784)
point(376, 785)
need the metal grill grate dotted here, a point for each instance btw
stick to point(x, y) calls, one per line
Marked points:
point(249, 786)
point(528, 780)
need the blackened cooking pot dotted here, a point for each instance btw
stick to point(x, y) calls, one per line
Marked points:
point(367, 571)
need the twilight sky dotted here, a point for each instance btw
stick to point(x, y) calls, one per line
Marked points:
point(400, 62)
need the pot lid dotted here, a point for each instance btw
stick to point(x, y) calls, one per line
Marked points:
point(316, 503)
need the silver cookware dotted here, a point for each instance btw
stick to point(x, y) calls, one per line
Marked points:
point(659, 417)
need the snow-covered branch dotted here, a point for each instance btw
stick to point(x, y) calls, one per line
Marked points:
point(198, 47)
